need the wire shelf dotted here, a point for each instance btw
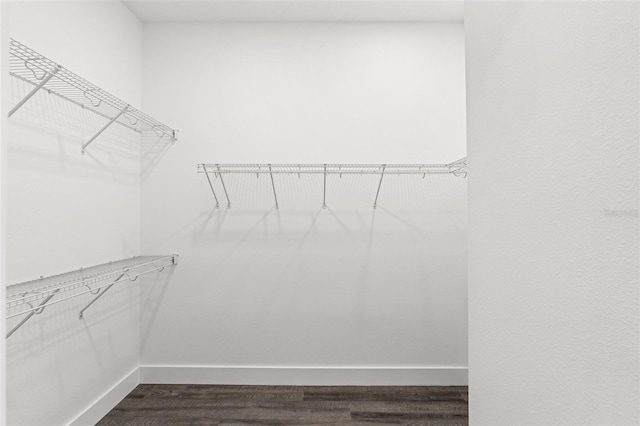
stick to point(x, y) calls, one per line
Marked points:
point(31, 297)
point(457, 168)
point(31, 67)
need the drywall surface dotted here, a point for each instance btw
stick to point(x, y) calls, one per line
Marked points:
point(78, 210)
point(65, 211)
point(4, 73)
point(347, 286)
point(553, 129)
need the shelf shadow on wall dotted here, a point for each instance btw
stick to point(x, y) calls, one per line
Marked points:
point(201, 234)
point(350, 255)
point(36, 143)
point(366, 267)
point(153, 149)
point(57, 340)
point(151, 297)
point(287, 269)
point(47, 119)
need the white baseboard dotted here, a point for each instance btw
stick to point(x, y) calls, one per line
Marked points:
point(310, 376)
point(96, 411)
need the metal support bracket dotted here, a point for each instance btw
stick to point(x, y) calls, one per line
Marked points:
point(324, 189)
point(101, 293)
point(36, 311)
point(44, 81)
point(224, 187)
point(274, 188)
point(375, 203)
point(459, 168)
point(86, 144)
point(212, 190)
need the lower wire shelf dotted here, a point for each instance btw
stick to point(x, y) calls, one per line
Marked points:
point(32, 297)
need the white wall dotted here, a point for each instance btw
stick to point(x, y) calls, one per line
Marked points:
point(92, 201)
point(304, 287)
point(553, 127)
point(4, 77)
point(65, 211)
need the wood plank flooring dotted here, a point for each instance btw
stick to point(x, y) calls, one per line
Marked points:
point(182, 405)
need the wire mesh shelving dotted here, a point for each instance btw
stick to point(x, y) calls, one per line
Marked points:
point(457, 168)
point(32, 297)
point(44, 74)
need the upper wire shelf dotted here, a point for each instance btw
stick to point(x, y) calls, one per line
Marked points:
point(31, 67)
point(457, 168)
point(30, 298)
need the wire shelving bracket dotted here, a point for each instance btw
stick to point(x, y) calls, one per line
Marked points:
point(33, 301)
point(457, 168)
point(31, 67)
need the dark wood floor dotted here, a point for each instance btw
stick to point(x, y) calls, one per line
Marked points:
point(181, 405)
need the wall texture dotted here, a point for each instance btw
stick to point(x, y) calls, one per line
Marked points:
point(92, 201)
point(65, 211)
point(346, 287)
point(4, 80)
point(553, 131)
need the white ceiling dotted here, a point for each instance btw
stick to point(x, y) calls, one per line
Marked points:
point(297, 10)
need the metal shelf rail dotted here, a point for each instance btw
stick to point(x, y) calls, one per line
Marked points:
point(32, 297)
point(41, 72)
point(457, 168)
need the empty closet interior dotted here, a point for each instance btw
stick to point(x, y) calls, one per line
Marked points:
point(229, 196)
